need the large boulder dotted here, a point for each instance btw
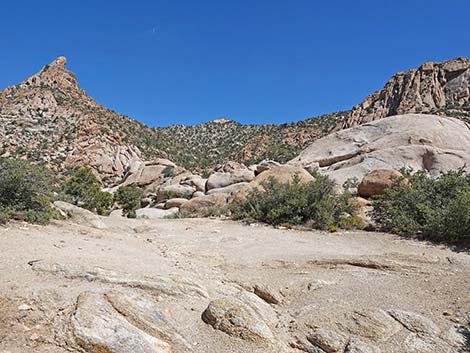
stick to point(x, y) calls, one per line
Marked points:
point(207, 201)
point(377, 181)
point(80, 215)
point(195, 181)
point(176, 202)
point(175, 191)
point(238, 319)
point(423, 142)
point(219, 180)
point(123, 321)
point(228, 189)
point(155, 213)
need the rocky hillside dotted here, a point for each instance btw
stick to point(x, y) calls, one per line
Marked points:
point(49, 118)
point(434, 88)
point(221, 140)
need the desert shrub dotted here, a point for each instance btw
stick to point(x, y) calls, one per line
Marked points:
point(26, 192)
point(169, 172)
point(85, 191)
point(434, 208)
point(314, 204)
point(129, 198)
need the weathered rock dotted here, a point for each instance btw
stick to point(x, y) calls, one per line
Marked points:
point(207, 201)
point(423, 142)
point(172, 203)
point(375, 182)
point(80, 215)
point(228, 189)
point(159, 285)
point(267, 294)
point(141, 311)
point(423, 90)
point(237, 319)
point(229, 167)
point(415, 323)
point(328, 340)
point(219, 180)
point(198, 194)
point(372, 324)
point(175, 191)
point(195, 181)
point(145, 175)
point(356, 345)
point(98, 328)
point(265, 165)
point(155, 213)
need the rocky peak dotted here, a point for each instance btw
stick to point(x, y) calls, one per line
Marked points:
point(439, 88)
point(54, 75)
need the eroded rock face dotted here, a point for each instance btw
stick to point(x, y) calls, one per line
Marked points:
point(422, 142)
point(98, 328)
point(431, 87)
point(169, 286)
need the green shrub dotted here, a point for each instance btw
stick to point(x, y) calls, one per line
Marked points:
point(169, 172)
point(85, 191)
point(314, 204)
point(437, 209)
point(26, 192)
point(129, 198)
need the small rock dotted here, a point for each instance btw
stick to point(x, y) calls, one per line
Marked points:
point(24, 307)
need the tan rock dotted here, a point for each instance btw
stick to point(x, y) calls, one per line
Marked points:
point(172, 203)
point(206, 201)
point(221, 179)
point(377, 181)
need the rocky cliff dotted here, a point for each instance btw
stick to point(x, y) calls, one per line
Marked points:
point(435, 88)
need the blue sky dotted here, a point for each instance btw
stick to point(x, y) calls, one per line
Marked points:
point(258, 61)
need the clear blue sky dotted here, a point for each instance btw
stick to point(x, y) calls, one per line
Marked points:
point(255, 61)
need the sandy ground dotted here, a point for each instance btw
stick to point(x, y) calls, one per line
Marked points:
point(320, 277)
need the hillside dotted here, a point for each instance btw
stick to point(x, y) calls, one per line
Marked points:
point(221, 140)
point(49, 118)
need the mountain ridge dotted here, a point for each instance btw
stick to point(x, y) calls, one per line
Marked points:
point(49, 118)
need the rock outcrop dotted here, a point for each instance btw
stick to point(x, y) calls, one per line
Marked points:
point(49, 118)
point(423, 142)
point(432, 88)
